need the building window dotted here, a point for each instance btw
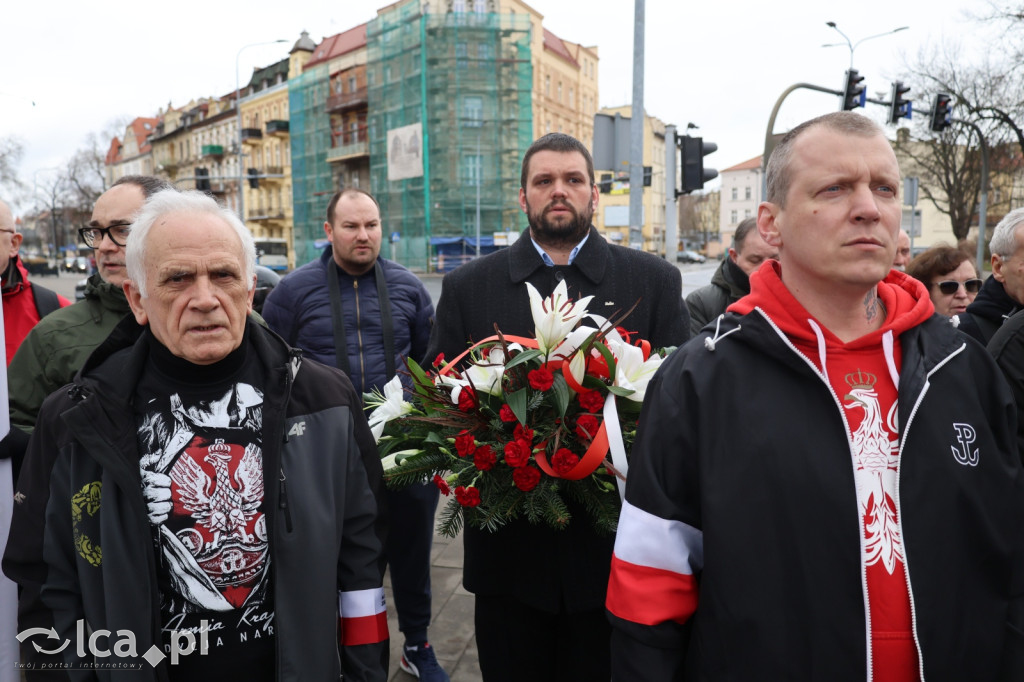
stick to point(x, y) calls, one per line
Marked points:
point(351, 83)
point(735, 194)
point(459, 6)
point(460, 55)
point(472, 111)
point(746, 213)
point(734, 217)
point(559, 91)
point(483, 51)
point(547, 86)
point(572, 97)
point(472, 169)
point(747, 193)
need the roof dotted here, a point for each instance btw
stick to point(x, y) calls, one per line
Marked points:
point(752, 164)
point(338, 44)
point(304, 43)
point(555, 44)
point(267, 75)
point(114, 153)
point(142, 128)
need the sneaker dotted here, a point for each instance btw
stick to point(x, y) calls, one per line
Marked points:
point(421, 662)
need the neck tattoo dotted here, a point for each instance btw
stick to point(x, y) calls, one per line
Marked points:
point(873, 307)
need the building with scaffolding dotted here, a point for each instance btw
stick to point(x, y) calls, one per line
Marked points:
point(431, 106)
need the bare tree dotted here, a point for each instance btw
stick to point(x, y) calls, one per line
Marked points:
point(989, 94)
point(11, 153)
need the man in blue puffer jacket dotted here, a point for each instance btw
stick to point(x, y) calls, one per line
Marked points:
point(364, 314)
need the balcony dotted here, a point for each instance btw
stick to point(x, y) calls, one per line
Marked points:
point(252, 135)
point(346, 100)
point(277, 127)
point(213, 150)
point(263, 216)
point(345, 146)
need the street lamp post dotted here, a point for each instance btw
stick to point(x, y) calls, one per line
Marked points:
point(853, 46)
point(238, 119)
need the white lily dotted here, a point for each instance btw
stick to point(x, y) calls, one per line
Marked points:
point(555, 316)
point(391, 461)
point(631, 370)
point(486, 377)
point(391, 407)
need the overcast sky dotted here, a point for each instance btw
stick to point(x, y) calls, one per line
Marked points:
point(720, 65)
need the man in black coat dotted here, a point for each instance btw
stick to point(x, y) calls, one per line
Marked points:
point(540, 592)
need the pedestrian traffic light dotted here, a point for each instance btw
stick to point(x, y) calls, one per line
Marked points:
point(694, 174)
point(647, 176)
point(605, 183)
point(854, 94)
point(899, 107)
point(942, 113)
point(254, 179)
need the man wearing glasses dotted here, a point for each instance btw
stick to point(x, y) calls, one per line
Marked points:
point(25, 303)
point(54, 351)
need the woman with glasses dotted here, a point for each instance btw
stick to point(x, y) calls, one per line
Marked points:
point(950, 277)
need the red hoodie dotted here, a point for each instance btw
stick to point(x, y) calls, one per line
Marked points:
point(20, 313)
point(864, 375)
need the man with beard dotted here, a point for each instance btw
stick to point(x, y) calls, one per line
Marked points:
point(538, 590)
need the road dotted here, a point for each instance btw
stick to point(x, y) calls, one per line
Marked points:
point(694, 277)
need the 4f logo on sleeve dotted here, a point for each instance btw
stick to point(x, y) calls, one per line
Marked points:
point(962, 452)
point(298, 428)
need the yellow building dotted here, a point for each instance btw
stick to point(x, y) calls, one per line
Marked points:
point(612, 215)
point(266, 155)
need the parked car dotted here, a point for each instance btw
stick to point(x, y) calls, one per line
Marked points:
point(39, 265)
point(266, 280)
point(690, 257)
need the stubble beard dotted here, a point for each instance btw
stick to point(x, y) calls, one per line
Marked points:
point(561, 235)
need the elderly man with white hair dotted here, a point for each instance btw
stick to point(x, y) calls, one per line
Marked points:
point(211, 487)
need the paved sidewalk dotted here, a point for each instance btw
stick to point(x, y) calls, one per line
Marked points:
point(451, 629)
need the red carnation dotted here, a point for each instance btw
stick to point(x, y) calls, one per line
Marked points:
point(564, 460)
point(527, 478)
point(439, 360)
point(541, 379)
point(465, 444)
point(484, 458)
point(442, 485)
point(506, 414)
point(592, 401)
point(517, 454)
point(467, 497)
point(586, 426)
point(523, 433)
point(467, 399)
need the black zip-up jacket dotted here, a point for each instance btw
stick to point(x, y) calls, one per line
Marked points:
point(772, 497)
point(323, 478)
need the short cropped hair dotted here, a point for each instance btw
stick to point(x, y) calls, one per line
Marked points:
point(937, 261)
point(149, 184)
point(192, 202)
point(347, 192)
point(777, 172)
point(556, 142)
point(742, 230)
point(1004, 236)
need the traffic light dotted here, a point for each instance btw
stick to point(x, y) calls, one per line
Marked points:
point(942, 112)
point(605, 183)
point(854, 94)
point(694, 174)
point(254, 179)
point(647, 176)
point(899, 107)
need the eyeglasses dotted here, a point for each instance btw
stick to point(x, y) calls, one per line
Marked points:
point(92, 236)
point(950, 287)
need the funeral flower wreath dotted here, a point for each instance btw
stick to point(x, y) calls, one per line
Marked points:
point(521, 427)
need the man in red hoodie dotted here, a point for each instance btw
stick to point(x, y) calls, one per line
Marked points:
point(826, 486)
point(24, 303)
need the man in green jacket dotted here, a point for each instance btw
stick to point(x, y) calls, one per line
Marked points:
point(57, 347)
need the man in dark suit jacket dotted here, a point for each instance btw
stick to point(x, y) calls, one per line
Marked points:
point(540, 592)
